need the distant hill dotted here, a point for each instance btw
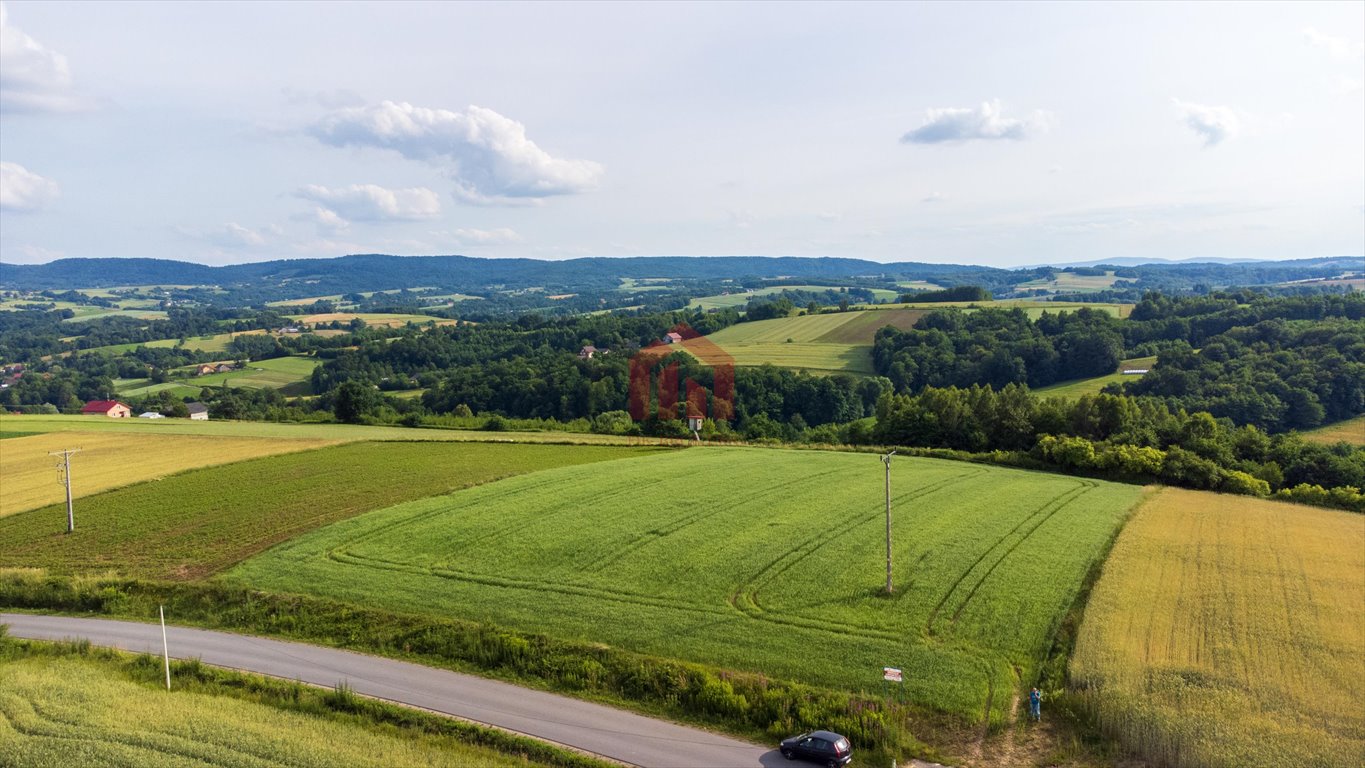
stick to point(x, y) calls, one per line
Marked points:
point(372, 272)
point(300, 278)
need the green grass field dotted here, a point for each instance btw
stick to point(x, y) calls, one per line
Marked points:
point(201, 521)
point(839, 342)
point(1092, 386)
point(1032, 307)
point(1351, 431)
point(740, 297)
point(389, 320)
point(70, 711)
point(751, 559)
point(1228, 631)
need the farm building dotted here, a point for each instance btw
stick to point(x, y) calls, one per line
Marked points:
point(672, 338)
point(150, 415)
point(205, 369)
point(198, 411)
point(111, 408)
point(587, 352)
point(1134, 371)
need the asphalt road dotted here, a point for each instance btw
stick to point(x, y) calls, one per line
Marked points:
point(601, 730)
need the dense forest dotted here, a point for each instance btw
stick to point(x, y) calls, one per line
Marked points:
point(1277, 363)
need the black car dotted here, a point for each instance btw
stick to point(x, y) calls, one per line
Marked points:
point(821, 747)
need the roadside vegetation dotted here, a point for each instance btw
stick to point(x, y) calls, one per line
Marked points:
point(1228, 632)
point(67, 704)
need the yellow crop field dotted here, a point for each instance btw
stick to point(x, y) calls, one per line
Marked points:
point(1230, 631)
point(28, 475)
point(1351, 431)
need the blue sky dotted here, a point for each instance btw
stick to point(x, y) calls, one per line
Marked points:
point(1000, 134)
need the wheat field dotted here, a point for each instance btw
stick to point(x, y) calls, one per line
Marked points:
point(1230, 631)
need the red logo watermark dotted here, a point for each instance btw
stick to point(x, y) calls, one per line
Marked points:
point(687, 399)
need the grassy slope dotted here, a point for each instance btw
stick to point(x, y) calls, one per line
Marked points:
point(838, 342)
point(202, 521)
point(1228, 631)
point(1092, 386)
point(72, 711)
point(111, 460)
point(751, 559)
point(1351, 431)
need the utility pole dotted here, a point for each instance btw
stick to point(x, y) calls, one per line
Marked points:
point(887, 461)
point(65, 469)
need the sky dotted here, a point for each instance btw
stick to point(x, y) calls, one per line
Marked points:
point(975, 133)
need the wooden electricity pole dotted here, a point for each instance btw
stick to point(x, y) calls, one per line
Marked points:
point(887, 461)
point(65, 468)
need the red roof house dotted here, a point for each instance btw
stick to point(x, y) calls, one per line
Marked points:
point(111, 408)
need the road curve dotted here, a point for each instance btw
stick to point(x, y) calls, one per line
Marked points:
point(601, 730)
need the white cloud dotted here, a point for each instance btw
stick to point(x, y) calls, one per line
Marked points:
point(487, 155)
point(370, 202)
point(1337, 47)
point(500, 236)
point(986, 122)
point(1213, 124)
point(22, 190)
point(231, 235)
point(32, 77)
point(933, 197)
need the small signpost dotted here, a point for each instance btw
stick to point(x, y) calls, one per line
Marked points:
point(893, 675)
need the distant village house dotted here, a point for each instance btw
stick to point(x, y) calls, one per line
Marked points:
point(111, 408)
point(672, 338)
point(587, 352)
point(198, 411)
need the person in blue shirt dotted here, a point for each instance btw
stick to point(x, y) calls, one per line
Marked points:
point(1035, 704)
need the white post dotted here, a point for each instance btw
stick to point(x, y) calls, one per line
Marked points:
point(165, 649)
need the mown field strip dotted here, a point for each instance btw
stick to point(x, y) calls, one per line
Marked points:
point(202, 521)
point(113, 460)
point(70, 711)
point(1230, 631)
point(746, 558)
point(332, 432)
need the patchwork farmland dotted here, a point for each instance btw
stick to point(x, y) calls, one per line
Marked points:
point(660, 554)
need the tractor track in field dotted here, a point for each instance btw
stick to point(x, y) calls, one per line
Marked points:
point(745, 597)
point(1051, 507)
point(640, 540)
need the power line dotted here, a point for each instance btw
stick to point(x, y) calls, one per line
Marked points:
point(887, 461)
point(65, 470)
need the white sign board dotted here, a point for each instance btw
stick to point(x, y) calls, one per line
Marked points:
point(891, 674)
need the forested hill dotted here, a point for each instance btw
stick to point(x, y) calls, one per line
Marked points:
point(379, 272)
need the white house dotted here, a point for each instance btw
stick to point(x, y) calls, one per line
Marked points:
point(198, 411)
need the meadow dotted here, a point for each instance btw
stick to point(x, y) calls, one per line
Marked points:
point(749, 559)
point(1070, 282)
point(827, 343)
point(1092, 386)
point(76, 711)
point(739, 298)
point(111, 460)
point(1229, 631)
point(1034, 308)
point(1351, 431)
point(199, 522)
point(388, 320)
